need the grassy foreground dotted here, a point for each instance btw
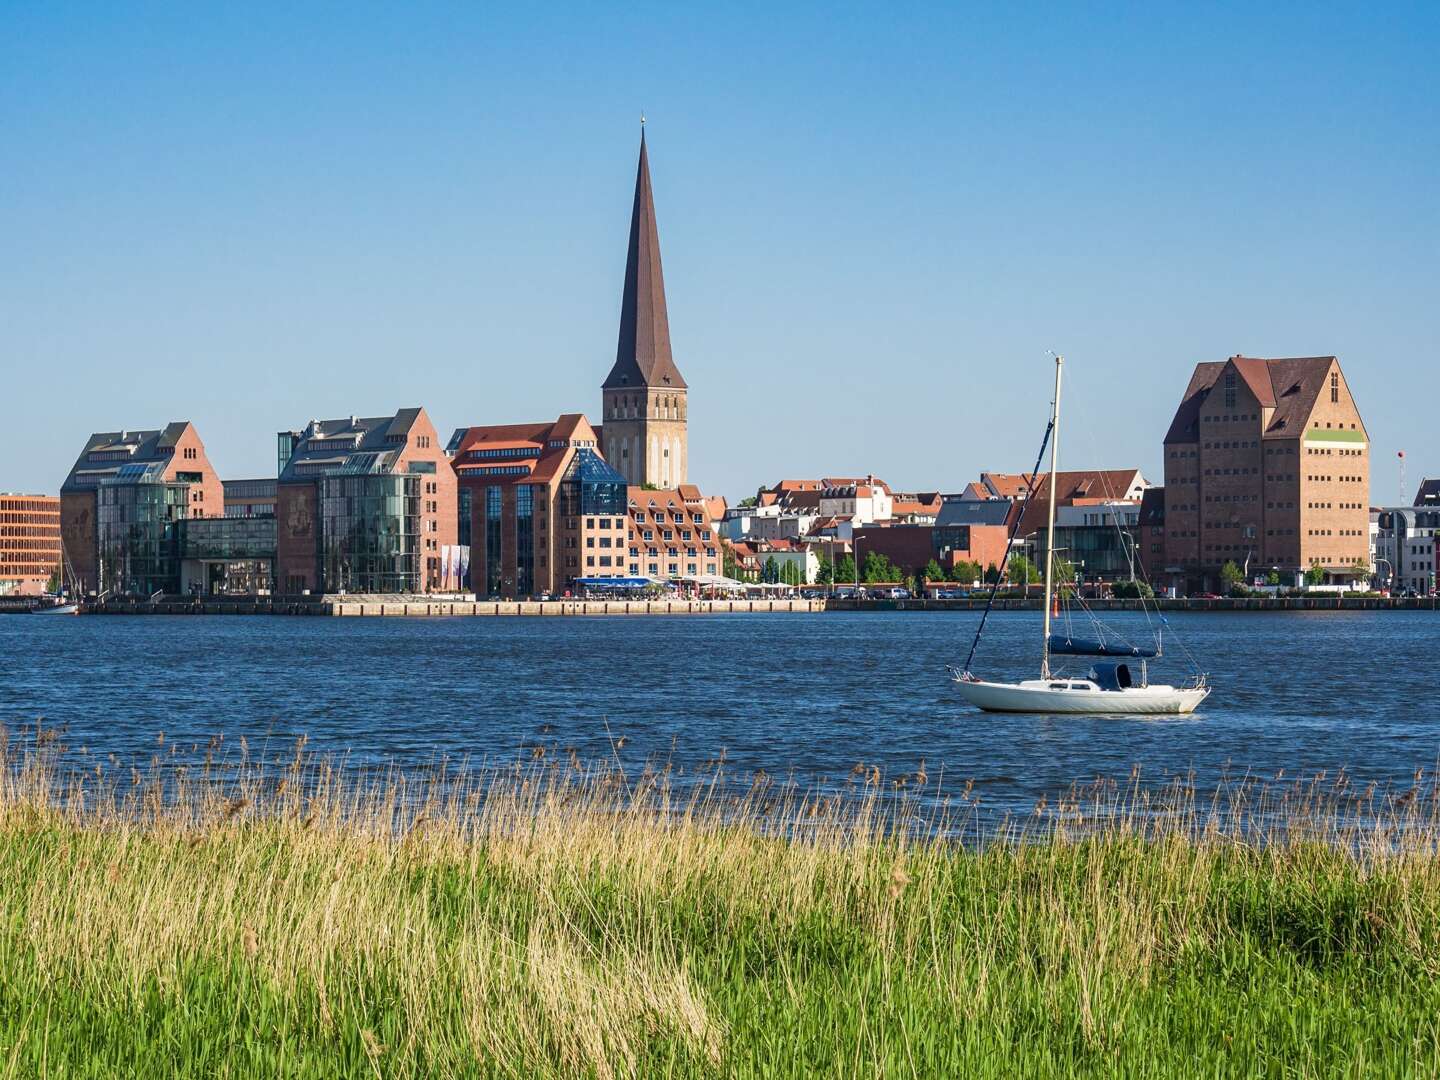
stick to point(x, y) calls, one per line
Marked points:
point(564, 921)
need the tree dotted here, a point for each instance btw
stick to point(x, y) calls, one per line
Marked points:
point(966, 572)
point(1231, 576)
point(934, 571)
point(1315, 575)
point(1360, 571)
point(790, 573)
point(879, 569)
point(845, 570)
point(647, 486)
point(1272, 578)
point(1132, 590)
point(770, 572)
point(1064, 577)
point(824, 570)
point(1021, 571)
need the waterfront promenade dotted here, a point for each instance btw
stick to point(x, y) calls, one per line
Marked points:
point(425, 606)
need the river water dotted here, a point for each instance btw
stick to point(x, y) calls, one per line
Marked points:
point(808, 696)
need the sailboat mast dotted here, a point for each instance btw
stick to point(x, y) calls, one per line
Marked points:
point(1050, 522)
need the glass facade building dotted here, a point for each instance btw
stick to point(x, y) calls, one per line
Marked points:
point(137, 532)
point(370, 539)
point(524, 540)
point(493, 565)
point(591, 486)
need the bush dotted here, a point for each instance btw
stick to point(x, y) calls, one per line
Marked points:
point(1131, 590)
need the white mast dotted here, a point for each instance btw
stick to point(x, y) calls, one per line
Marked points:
point(1050, 527)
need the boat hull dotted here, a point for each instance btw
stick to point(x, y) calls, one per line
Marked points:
point(1042, 696)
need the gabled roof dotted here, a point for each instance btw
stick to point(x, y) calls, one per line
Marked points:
point(372, 444)
point(1006, 485)
point(1288, 385)
point(642, 354)
point(138, 447)
point(1429, 493)
point(567, 430)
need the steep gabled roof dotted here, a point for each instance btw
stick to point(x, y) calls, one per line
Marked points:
point(1289, 385)
point(642, 355)
point(121, 448)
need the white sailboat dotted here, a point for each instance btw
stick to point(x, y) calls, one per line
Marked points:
point(1109, 686)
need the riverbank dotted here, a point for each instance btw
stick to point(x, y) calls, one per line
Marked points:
point(420, 606)
point(559, 920)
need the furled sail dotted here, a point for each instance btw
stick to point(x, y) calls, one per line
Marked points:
point(1064, 645)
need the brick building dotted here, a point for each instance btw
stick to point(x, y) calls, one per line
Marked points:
point(364, 505)
point(29, 542)
point(120, 503)
point(1267, 465)
point(539, 507)
point(911, 547)
point(1150, 535)
point(644, 399)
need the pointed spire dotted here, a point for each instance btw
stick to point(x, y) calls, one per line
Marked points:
point(642, 356)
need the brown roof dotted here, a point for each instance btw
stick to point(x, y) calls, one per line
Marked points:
point(567, 428)
point(1006, 485)
point(1289, 385)
point(1087, 487)
point(642, 355)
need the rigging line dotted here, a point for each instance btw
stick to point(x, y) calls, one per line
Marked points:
point(1110, 497)
point(1010, 539)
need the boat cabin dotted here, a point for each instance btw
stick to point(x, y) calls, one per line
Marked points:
point(1114, 675)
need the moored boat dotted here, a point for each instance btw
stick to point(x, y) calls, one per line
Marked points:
point(1109, 686)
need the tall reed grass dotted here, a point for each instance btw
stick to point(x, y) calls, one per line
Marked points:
point(238, 917)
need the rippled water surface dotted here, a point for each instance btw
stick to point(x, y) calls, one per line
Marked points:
point(812, 695)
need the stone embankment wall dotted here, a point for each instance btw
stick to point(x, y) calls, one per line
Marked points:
point(421, 607)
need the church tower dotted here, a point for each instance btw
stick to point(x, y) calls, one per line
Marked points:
point(643, 397)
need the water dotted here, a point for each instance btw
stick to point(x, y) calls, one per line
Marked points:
point(811, 696)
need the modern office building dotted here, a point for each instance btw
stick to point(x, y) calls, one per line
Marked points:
point(644, 399)
point(29, 542)
point(364, 505)
point(122, 500)
point(1267, 465)
point(539, 507)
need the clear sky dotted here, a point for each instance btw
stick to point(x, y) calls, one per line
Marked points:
point(875, 221)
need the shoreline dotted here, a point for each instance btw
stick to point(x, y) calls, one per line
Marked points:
point(414, 607)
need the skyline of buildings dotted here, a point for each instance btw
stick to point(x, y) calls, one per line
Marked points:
point(378, 504)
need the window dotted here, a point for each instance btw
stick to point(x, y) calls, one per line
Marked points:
point(1334, 389)
point(1229, 389)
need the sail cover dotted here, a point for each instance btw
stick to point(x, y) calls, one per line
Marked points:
point(1063, 645)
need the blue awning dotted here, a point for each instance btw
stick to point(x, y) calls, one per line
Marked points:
point(1062, 645)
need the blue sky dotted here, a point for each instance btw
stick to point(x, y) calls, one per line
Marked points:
point(875, 221)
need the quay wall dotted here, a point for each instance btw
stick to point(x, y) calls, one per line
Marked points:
point(420, 606)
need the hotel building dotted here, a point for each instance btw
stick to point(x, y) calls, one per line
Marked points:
point(29, 542)
point(672, 535)
point(1267, 465)
point(363, 505)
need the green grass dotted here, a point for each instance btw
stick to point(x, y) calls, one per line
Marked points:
point(565, 921)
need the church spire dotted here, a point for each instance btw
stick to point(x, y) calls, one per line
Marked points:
point(642, 356)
